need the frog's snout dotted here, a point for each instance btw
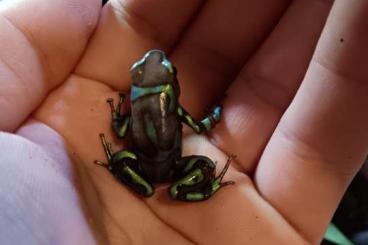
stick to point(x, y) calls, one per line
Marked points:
point(154, 57)
point(153, 69)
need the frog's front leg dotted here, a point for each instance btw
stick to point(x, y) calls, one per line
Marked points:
point(199, 181)
point(123, 165)
point(205, 124)
point(120, 122)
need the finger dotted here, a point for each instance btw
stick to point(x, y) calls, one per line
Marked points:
point(127, 30)
point(266, 85)
point(39, 49)
point(322, 139)
point(218, 43)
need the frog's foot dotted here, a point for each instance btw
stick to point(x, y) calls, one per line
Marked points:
point(110, 101)
point(108, 151)
point(103, 164)
point(116, 109)
point(200, 182)
point(217, 184)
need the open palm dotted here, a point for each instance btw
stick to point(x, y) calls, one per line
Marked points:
point(295, 116)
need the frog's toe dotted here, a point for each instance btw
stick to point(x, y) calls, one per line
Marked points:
point(200, 182)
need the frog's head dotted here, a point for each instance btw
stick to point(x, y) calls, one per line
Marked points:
point(154, 69)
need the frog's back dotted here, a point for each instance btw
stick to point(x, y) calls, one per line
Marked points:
point(156, 130)
point(156, 134)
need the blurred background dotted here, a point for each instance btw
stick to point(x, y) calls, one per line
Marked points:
point(350, 222)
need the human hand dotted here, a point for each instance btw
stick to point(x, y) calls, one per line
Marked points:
point(297, 152)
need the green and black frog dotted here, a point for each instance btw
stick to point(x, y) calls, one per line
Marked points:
point(155, 125)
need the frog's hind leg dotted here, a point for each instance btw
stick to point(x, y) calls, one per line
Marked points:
point(125, 168)
point(123, 164)
point(199, 181)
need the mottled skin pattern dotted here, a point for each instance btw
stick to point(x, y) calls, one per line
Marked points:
point(155, 124)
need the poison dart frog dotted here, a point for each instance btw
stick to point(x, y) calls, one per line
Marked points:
point(155, 126)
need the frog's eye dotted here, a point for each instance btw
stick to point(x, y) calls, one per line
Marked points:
point(167, 64)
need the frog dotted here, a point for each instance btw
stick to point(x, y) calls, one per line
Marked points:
point(155, 124)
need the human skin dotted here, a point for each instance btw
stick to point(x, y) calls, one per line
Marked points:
point(295, 114)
